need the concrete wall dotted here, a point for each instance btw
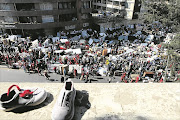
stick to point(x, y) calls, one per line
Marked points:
point(107, 102)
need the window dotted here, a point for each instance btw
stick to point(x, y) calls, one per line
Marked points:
point(47, 18)
point(24, 6)
point(4, 6)
point(9, 19)
point(28, 19)
point(60, 6)
point(67, 17)
point(86, 5)
point(65, 5)
point(73, 4)
point(46, 6)
point(69, 5)
point(116, 3)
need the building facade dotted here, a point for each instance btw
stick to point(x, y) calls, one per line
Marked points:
point(43, 16)
point(123, 8)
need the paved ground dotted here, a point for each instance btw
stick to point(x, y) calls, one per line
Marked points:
point(106, 102)
point(99, 101)
point(18, 75)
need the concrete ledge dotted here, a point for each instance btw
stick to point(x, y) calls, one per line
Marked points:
point(107, 102)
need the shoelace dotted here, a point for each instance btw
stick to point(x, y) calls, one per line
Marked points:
point(24, 94)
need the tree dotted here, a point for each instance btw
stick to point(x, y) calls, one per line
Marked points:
point(174, 56)
point(164, 11)
point(175, 43)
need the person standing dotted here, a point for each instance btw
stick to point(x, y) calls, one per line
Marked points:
point(82, 74)
point(86, 78)
point(75, 73)
point(64, 72)
point(24, 66)
point(46, 75)
point(55, 69)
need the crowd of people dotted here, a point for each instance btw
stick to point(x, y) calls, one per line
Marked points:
point(123, 49)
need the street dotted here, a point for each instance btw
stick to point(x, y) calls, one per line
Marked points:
point(18, 75)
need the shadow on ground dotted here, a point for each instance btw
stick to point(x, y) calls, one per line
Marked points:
point(142, 118)
point(118, 117)
point(53, 80)
point(48, 100)
point(82, 104)
point(109, 117)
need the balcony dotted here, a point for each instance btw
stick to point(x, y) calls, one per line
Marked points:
point(115, 7)
point(37, 13)
point(32, 1)
point(89, 10)
point(119, 0)
point(99, 4)
point(8, 25)
point(86, 0)
point(37, 25)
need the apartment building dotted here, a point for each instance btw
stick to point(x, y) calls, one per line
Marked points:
point(43, 16)
point(122, 8)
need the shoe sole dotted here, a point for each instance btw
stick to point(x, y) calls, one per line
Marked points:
point(12, 108)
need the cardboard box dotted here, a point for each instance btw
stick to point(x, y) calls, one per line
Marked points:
point(104, 53)
point(62, 67)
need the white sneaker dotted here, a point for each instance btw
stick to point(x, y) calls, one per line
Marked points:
point(21, 97)
point(64, 106)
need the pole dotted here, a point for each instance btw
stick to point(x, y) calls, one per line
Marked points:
point(23, 32)
point(113, 15)
point(2, 30)
point(166, 66)
point(11, 32)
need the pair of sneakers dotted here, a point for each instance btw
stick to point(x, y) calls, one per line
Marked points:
point(63, 108)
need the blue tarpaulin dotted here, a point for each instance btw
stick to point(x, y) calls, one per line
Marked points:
point(123, 37)
point(96, 40)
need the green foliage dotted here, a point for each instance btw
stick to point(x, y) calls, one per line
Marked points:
point(175, 43)
point(165, 12)
point(174, 57)
point(173, 70)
